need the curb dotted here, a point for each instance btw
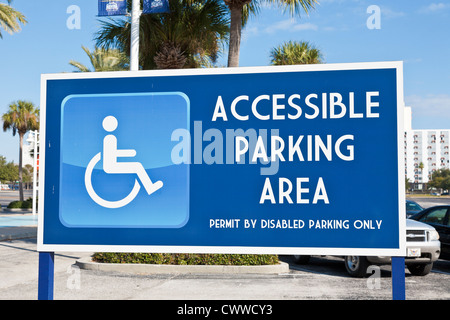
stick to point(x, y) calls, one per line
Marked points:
point(140, 268)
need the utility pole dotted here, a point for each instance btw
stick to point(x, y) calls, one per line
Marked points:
point(135, 17)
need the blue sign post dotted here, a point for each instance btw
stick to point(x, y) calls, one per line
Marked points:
point(46, 275)
point(398, 278)
point(251, 160)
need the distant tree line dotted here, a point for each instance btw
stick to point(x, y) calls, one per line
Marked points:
point(9, 172)
point(440, 179)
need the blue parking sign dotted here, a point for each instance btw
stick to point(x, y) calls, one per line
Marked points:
point(282, 160)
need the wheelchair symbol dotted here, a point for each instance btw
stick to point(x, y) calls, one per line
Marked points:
point(111, 166)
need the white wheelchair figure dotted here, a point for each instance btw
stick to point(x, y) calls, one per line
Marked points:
point(111, 166)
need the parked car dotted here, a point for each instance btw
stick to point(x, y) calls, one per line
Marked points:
point(439, 218)
point(412, 208)
point(422, 250)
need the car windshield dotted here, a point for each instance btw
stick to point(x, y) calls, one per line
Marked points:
point(411, 206)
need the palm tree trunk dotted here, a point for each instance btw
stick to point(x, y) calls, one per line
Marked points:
point(20, 167)
point(235, 35)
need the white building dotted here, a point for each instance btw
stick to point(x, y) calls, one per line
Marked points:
point(425, 152)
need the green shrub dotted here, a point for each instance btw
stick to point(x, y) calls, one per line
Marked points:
point(186, 259)
point(20, 205)
point(27, 204)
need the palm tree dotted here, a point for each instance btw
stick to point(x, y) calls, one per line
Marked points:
point(294, 52)
point(103, 60)
point(239, 9)
point(188, 36)
point(10, 18)
point(421, 166)
point(21, 117)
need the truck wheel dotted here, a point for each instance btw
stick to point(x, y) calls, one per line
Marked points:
point(301, 259)
point(420, 269)
point(356, 266)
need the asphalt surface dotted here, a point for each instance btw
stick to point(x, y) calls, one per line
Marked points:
point(324, 278)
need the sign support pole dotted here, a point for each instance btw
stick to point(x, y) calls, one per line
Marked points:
point(398, 278)
point(46, 275)
point(135, 18)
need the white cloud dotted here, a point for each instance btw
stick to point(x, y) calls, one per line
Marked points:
point(435, 7)
point(249, 32)
point(432, 105)
point(289, 25)
point(430, 111)
point(305, 26)
point(391, 14)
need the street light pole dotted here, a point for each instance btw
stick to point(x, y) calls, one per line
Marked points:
point(135, 17)
point(35, 170)
point(33, 138)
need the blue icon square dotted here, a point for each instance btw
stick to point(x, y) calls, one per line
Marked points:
point(116, 166)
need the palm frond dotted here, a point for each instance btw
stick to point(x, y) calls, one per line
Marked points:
point(10, 19)
point(295, 7)
point(103, 60)
point(21, 117)
point(293, 52)
point(81, 67)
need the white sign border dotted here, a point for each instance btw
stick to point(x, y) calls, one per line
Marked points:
point(400, 251)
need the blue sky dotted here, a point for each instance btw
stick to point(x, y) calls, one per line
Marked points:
point(413, 31)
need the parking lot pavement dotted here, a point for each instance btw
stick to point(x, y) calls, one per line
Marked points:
point(322, 279)
point(6, 196)
point(427, 202)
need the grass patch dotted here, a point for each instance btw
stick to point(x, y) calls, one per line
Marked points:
point(425, 195)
